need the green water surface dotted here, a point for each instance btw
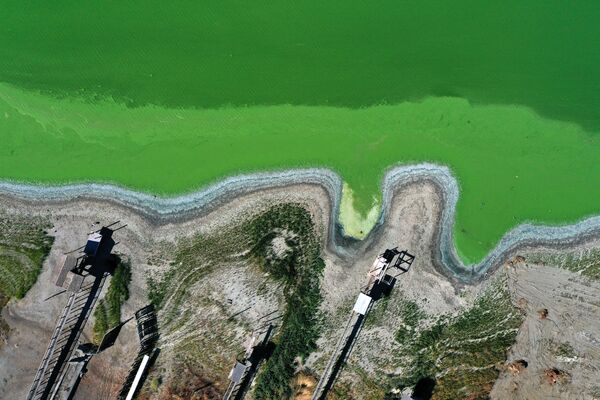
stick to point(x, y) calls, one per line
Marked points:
point(169, 96)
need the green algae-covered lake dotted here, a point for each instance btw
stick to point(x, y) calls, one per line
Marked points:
point(167, 97)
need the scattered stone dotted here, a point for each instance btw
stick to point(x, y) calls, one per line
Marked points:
point(517, 366)
point(304, 385)
point(556, 376)
point(516, 260)
point(543, 313)
point(522, 303)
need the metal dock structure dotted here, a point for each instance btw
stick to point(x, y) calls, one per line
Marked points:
point(147, 327)
point(65, 338)
point(246, 365)
point(379, 283)
point(340, 355)
point(83, 276)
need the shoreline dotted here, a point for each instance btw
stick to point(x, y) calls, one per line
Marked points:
point(170, 209)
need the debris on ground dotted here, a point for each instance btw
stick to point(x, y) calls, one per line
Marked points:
point(555, 375)
point(304, 385)
point(543, 313)
point(517, 366)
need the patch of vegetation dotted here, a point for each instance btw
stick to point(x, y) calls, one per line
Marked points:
point(108, 310)
point(378, 312)
point(100, 322)
point(461, 352)
point(192, 383)
point(157, 287)
point(565, 350)
point(24, 245)
point(341, 391)
point(411, 315)
point(210, 352)
point(299, 268)
point(586, 263)
point(362, 387)
point(193, 258)
point(118, 292)
point(280, 242)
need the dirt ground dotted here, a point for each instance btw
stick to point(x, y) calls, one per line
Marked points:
point(573, 303)
point(561, 333)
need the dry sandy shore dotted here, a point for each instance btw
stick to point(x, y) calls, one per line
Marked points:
point(212, 197)
point(417, 210)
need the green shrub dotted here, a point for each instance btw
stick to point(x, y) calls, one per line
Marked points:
point(108, 310)
point(118, 292)
point(24, 246)
point(300, 269)
point(100, 322)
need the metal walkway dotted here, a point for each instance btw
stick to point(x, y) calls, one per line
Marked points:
point(235, 390)
point(339, 356)
point(65, 338)
point(246, 367)
point(379, 283)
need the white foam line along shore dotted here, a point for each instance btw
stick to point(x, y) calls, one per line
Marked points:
point(395, 178)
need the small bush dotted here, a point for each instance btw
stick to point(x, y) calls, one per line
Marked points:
point(108, 310)
point(118, 292)
point(100, 322)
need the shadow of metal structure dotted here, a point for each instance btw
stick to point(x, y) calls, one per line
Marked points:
point(85, 353)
